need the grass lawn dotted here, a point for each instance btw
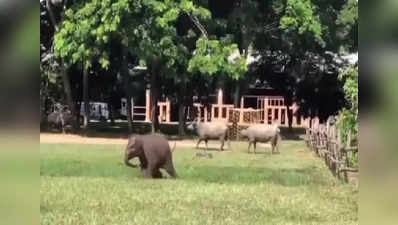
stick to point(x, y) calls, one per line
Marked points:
point(89, 184)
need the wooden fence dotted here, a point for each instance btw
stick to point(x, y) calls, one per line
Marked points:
point(327, 144)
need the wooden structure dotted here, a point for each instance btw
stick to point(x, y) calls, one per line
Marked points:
point(268, 110)
point(143, 113)
point(327, 144)
point(202, 112)
point(265, 110)
point(274, 108)
point(164, 111)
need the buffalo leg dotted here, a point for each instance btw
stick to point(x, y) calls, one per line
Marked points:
point(248, 148)
point(254, 145)
point(222, 143)
point(197, 144)
point(206, 145)
point(272, 147)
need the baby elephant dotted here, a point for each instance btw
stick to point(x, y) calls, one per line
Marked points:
point(262, 133)
point(153, 152)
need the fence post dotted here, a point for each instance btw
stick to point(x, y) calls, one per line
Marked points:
point(347, 156)
point(339, 149)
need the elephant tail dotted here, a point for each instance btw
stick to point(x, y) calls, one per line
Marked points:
point(172, 150)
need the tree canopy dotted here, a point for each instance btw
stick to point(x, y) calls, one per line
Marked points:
point(297, 45)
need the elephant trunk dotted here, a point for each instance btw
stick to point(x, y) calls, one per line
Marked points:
point(127, 157)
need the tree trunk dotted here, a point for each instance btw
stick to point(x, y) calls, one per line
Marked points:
point(111, 114)
point(181, 119)
point(289, 117)
point(237, 94)
point(51, 14)
point(86, 99)
point(125, 74)
point(154, 98)
point(69, 96)
point(245, 52)
point(181, 108)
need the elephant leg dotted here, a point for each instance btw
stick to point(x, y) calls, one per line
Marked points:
point(143, 161)
point(151, 171)
point(127, 159)
point(156, 173)
point(147, 173)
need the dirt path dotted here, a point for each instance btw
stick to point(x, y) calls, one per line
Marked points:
point(77, 139)
point(48, 138)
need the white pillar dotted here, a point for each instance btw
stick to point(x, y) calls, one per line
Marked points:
point(148, 105)
point(220, 100)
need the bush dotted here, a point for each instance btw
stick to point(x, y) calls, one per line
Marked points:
point(349, 117)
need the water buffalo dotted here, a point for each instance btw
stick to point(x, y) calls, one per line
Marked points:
point(262, 133)
point(209, 131)
point(153, 152)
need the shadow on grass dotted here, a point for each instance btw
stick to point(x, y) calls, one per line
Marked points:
point(253, 175)
point(195, 173)
point(211, 149)
point(120, 130)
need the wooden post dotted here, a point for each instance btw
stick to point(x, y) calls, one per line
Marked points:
point(212, 113)
point(242, 102)
point(148, 105)
point(199, 116)
point(168, 110)
point(220, 97)
point(280, 116)
point(132, 109)
point(337, 152)
point(294, 118)
point(347, 155)
point(205, 114)
point(162, 110)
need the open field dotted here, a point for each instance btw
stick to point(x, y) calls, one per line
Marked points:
point(89, 184)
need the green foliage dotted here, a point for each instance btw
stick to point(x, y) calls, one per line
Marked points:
point(349, 13)
point(89, 184)
point(302, 15)
point(214, 56)
point(87, 29)
point(349, 116)
point(147, 28)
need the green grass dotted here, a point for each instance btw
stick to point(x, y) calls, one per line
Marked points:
point(89, 184)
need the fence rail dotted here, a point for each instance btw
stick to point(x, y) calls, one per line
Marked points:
point(327, 144)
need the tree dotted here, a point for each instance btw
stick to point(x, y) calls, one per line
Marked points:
point(145, 29)
point(348, 121)
point(304, 50)
point(50, 12)
point(91, 30)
